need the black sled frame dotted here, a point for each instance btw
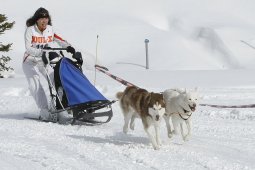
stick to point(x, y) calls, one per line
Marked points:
point(85, 113)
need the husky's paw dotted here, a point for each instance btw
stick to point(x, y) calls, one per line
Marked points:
point(186, 138)
point(170, 135)
point(125, 130)
point(159, 142)
point(174, 132)
point(132, 126)
point(156, 147)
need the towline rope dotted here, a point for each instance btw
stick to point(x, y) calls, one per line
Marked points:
point(105, 71)
point(231, 106)
point(126, 83)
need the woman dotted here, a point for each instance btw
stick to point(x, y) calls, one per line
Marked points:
point(38, 35)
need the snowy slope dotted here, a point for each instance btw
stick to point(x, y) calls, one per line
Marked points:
point(208, 33)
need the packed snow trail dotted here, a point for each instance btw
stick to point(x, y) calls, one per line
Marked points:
point(221, 138)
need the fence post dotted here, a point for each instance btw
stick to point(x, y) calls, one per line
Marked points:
point(147, 55)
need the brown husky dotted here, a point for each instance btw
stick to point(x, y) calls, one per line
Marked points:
point(150, 107)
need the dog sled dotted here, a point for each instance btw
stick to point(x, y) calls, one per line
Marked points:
point(72, 92)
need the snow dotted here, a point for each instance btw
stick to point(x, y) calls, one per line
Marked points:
point(221, 139)
point(193, 43)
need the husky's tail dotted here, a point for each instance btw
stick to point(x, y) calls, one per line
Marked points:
point(119, 95)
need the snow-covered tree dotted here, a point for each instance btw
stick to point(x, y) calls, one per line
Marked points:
point(4, 25)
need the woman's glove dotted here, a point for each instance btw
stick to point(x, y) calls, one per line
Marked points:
point(78, 58)
point(70, 49)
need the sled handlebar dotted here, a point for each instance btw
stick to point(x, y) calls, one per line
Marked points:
point(54, 49)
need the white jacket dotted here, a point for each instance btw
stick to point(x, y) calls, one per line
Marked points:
point(35, 40)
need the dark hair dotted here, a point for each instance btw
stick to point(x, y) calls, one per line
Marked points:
point(39, 13)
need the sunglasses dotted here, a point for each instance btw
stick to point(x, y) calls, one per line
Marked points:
point(43, 15)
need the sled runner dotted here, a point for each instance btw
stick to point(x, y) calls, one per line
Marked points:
point(73, 93)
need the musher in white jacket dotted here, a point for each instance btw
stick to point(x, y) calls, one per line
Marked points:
point(39, 34)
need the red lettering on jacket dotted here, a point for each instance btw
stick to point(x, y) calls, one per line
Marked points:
point(42, 40)
point(34, 39)
point(50, 39)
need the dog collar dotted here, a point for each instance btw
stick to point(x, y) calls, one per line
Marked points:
point(185, 118)
point(185, 111)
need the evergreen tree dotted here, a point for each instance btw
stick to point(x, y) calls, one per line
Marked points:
point(4, 25)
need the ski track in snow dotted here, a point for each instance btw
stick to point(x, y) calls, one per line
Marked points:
point(221, 139)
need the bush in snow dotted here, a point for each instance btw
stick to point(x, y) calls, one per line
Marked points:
point(4, 25)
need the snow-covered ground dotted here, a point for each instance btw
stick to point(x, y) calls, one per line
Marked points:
point(221, 139)
point(193, 43)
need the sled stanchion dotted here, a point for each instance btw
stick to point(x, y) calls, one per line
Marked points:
point(51, 87)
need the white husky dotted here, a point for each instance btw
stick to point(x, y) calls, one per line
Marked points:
point(179, 106)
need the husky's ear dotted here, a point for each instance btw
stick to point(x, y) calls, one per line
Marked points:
point(201, 97)
point(163, 96)
point(149, 98)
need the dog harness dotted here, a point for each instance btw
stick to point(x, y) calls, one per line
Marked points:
point(185, 118)
point(185, 111)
